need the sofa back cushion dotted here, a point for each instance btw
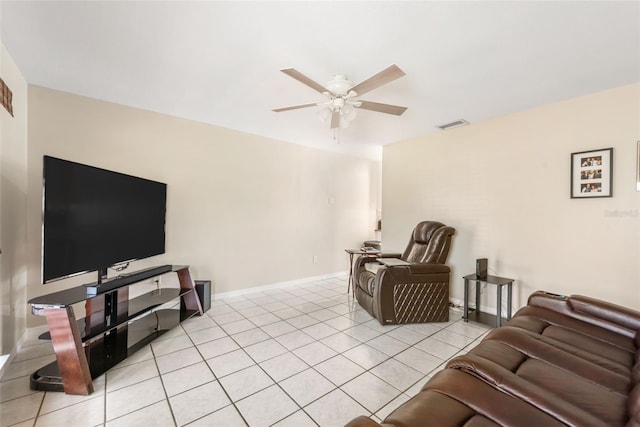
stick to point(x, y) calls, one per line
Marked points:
point(429, 243)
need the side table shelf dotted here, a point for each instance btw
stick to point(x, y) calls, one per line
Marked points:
point(114, 327)
point(486, 318)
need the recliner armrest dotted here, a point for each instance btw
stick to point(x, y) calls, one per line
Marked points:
point(361, 261)
point(405, 273)
point(428, 268)
point(390, 255)
point(419, 268)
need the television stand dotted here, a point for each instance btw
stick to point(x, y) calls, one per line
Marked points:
point(113, 328)
point(101, 287)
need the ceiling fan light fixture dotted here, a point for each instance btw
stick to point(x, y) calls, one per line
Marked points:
point(338, 103)
point(324, 114)
point(339, 85)
point(348, 112)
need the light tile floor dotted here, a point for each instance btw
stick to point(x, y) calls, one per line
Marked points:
point(303, 355)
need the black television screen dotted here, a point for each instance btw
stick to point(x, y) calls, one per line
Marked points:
point(94, 218)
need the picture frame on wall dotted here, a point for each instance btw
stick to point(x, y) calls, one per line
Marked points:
point(592, 174)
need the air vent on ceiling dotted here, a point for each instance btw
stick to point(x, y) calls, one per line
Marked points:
point(457, 123)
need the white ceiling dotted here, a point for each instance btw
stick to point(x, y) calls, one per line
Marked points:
point(219, 62)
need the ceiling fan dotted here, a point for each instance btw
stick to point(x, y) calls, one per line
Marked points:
point(341, 93)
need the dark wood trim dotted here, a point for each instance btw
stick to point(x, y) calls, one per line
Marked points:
point(67, 345)
point(191, 300)
point(109, 336)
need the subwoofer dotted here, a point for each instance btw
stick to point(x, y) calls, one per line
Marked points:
point(481, 268)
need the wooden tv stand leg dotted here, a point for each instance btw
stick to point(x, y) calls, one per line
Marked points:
point(191, 300)
point(72, 362)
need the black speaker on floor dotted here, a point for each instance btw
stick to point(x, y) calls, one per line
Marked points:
point(203, 289)
point(481, 268)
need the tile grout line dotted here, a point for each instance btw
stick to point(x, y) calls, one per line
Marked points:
point(217, 380)
point(164, 389)
point(316, 296)
point(315, 370)
point(277, 383)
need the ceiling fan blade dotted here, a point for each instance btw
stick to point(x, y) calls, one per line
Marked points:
point(294, 107)
point(385, 76)
point(304, 80)
point(383, 108)
point(335, 119)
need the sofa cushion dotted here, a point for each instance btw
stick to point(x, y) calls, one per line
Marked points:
point(453, 398)
point(565, 327)
point(576, 334)
point(528, 346)
point(566, 397)
point(604, 362)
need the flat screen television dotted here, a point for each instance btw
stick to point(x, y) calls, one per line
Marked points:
point(95, 218)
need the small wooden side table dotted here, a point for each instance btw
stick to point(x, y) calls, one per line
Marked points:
point(479, 316)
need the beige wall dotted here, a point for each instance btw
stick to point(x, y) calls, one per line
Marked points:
point(242, 210)
point(13, 188)
point(504, 185)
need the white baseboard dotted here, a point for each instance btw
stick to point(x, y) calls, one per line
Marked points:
point(483, 308)
point(278, 285)
point(3, 361)
point(6, 359)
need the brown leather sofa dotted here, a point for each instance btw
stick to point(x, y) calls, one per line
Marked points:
point(413, 293)
point(560, 361)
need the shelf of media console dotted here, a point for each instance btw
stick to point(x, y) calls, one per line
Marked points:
point(141, 332)
point(105, 341)
point(139, 306)
point(88, 291)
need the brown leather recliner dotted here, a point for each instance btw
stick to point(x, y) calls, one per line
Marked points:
point(417, 292)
